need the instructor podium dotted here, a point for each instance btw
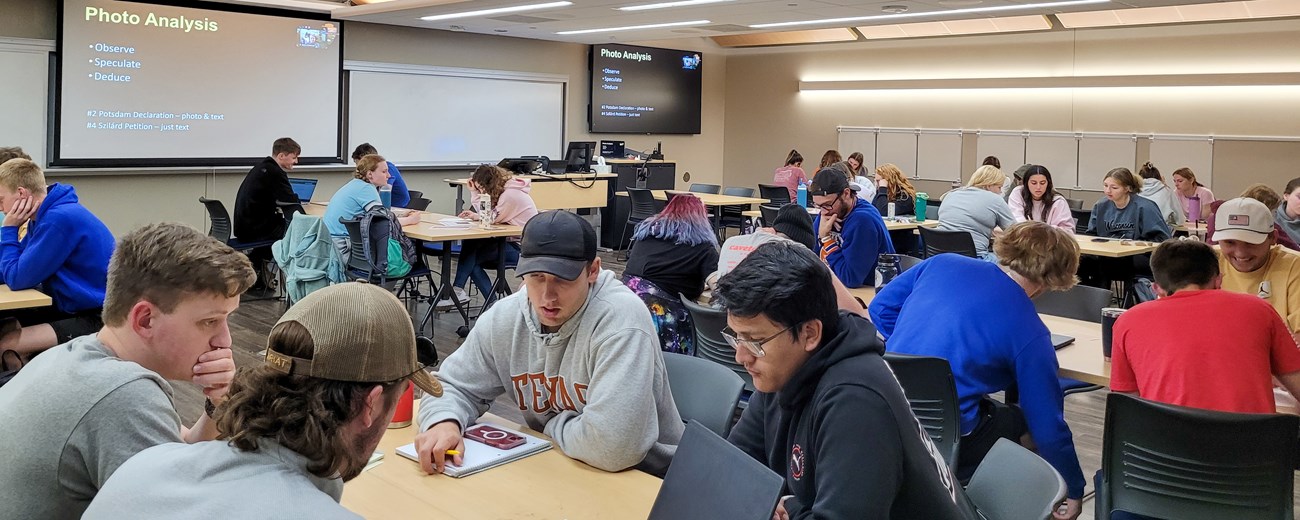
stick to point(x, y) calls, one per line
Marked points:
point(660, 175)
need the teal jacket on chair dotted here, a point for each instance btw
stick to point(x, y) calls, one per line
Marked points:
point(307, 257)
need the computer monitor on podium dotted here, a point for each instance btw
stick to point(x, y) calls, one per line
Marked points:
point(579, 156)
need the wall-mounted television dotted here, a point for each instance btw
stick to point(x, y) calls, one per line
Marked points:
point(643, 90)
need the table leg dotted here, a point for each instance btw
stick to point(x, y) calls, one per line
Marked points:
point(460, 198)
point(445, 289)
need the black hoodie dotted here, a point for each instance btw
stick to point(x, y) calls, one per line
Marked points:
point(844, 437)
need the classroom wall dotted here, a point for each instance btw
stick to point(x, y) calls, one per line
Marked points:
point(127, 201)
point(767, 114)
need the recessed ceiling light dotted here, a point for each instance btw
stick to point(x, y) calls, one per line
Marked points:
point(498, 10)
point(949, 12)
point(635, 27)
point(894, 9)
point(664, 5)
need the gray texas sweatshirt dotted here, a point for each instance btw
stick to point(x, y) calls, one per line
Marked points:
point(598, 387)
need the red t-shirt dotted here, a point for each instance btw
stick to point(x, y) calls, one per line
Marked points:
point(1210, 349)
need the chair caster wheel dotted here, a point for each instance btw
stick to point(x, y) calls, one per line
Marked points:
point(462, 330)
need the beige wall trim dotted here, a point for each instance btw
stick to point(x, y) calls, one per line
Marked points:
point(1149, 80)
point(428, 70)
point(26, 45)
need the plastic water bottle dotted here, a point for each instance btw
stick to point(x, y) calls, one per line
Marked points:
point(484, 211)
point(803, 194)
point(886, 269)
point(1194, 208)
point(386, 196)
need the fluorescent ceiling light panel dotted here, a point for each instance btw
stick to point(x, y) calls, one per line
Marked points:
point(498, 10)
point(1213, 12)
point(957, 27)
point(635, 27)
point(949, 12)
point(665, 5)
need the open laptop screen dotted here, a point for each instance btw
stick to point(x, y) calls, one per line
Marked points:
point(304, 188)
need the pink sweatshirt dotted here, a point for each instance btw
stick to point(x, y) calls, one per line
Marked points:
point(1057, 216)
point(515, 206)
point(1206, 197)
point(789, 176)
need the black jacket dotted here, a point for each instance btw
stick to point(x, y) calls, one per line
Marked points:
point(674, 268)
point(844, 437)
point(256, 215)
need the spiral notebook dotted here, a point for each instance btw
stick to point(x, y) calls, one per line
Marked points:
point(479, 456)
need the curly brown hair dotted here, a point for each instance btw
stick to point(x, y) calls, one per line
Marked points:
point(301, 413)
point(491, 180)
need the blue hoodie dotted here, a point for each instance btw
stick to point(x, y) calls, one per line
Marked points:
point(401, 195)
point(862, 239)
point(66, 250)
point(941, 308)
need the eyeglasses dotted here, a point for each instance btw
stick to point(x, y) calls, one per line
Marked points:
point(755, 346)
point(828, 206)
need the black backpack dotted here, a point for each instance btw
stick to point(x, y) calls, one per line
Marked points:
point(10, 362)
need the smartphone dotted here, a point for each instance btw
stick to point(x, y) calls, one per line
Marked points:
point(494, 437)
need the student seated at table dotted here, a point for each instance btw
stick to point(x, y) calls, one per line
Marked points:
point(79, 410)
point(672, 254)
point(257, 217)
point(1252, 263)
point(272, 464)
point(850, 232)
point(1186, 187)
point(358, 195)
point(1122, 215)
point(1155, 190)
point(401, 194)
point(1037, 199)
point(1288, 213)
point(978, 209)
point(827, 413)
point(512, 205)
point(65, 251)
point(892, 186)
point(576, 351)
point(1271, 200)
point(791, 174)
point(918, 313)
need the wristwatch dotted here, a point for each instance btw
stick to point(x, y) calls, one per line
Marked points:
point(209, 409)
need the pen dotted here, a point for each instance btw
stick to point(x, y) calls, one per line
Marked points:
point(453, 452)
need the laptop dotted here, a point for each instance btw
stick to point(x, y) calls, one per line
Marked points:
point(1060, 341)
point(710, 479)
point(303, 188)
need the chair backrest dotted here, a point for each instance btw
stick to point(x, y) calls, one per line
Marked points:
point(1168, 461)
point(1081, 302)
point(709, 343)
point(1081, 218)
point(906, 262)
point(769, 213)
point(734, 211)
point(1074, 203)
point(415, 194)
point(375, 264)
point(938, 241)
point(643, 203)
point(703, 390)
point(776, 195)
point(706, 188)
point(289, 208)
point(1013, 483)
point(418, 203)
point(738, 191)
point(220, 218)
point(932, 208)
point(932, 393)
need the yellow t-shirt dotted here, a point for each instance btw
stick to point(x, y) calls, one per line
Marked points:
point(1278, 282)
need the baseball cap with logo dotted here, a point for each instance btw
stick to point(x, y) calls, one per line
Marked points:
point(360, 333)
point(1244, 219)
point(556, 242)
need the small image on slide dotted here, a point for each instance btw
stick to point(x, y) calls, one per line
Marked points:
point(691, 61)
point(317, 37)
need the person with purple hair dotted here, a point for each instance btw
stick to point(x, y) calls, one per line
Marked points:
point(672, 254)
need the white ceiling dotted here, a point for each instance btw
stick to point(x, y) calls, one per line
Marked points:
point(731, 17)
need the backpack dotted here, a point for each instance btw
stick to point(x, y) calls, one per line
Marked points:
point(398, 253)
point(1143, 290)
point(10, 362)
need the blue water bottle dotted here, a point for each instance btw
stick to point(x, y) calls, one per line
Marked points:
point(803, 194)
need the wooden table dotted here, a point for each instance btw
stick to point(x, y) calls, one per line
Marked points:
point(560, 191)
point(546, 485)
point(1113, 248)
point(24, 299)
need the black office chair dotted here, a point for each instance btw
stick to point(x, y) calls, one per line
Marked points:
point(732, 216)
point(931, 391)
point(776, 195)
point(642, 207)
point(1081, 218)
point(287, 209)
point(418, 203)
point(768, 213)
point(1081, 302)
point(1168, 461)
point(932, 208)
point(706, 188)
point(938, 241)
point(709, 343)
point(373, 267)
point(1075, 203)
point(220, 228)
point(906, 262)
point(415, 194)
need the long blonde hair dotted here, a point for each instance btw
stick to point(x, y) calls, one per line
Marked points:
point(897, 180)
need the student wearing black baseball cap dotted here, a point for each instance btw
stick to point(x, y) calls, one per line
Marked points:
point(574, 348)
point(850, 231)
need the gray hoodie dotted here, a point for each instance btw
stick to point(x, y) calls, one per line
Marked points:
point(1288, 224)
point(598, 387)
point(1171, 209)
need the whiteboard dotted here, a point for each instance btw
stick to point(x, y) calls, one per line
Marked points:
point(26, 76)
point(859, 140)
point(1009, 149)
point(432, 115)
point(1101, 154)
point(938, 155)
point(1059, 153)
point(1169, 154)
point(898, 147)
